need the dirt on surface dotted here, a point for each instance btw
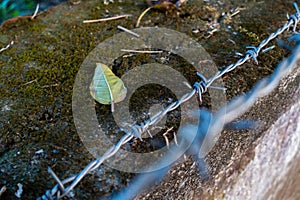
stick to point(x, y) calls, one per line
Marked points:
point(38, 73)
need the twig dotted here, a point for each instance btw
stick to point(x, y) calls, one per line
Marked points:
point(128, 31)
point(175, 138)
point(159, 5)
point(166, 138)
point(29, 82)
point(141, 16)
point(36, 11)
point(46, 86)
point(3, 189)
point(40, 86)
point(7, 46)
point(106, 19)
point(140, 51)
point(236, 11)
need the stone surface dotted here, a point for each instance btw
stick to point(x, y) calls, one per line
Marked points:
point(274, 172)
point(266, 169)
point(38, 72)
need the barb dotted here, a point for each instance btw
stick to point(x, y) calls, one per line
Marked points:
point(210, 124)
point(240, 105)
point(234, 108)
point(59, 188)
point(253, 52)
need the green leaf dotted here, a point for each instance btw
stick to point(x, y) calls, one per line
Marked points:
point(106, 87)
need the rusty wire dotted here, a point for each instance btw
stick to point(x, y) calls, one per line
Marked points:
point(233, 108)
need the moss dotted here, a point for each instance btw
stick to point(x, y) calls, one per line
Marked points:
point(38, 76)
point(38, 73)
point(251, 36)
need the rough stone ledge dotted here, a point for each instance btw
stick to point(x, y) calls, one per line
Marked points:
point(274, 171)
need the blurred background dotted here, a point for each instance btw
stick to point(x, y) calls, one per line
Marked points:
point(13, 8)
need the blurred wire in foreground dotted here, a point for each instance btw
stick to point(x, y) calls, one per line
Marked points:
point(210, 123)
point(210, 126)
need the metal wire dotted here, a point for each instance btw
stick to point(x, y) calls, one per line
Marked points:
point(240, 105)
point(212, 128)
point(233, 109)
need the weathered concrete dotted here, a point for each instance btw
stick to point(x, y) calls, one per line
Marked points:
point(274, 171)
point(38, 72)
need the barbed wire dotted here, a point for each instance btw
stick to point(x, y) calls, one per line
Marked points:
point(212, 123)
point(233, 109)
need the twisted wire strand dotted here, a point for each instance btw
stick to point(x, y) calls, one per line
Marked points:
point(235, 108)
point(241, 104)
point(253, 52)
point(201, 87)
